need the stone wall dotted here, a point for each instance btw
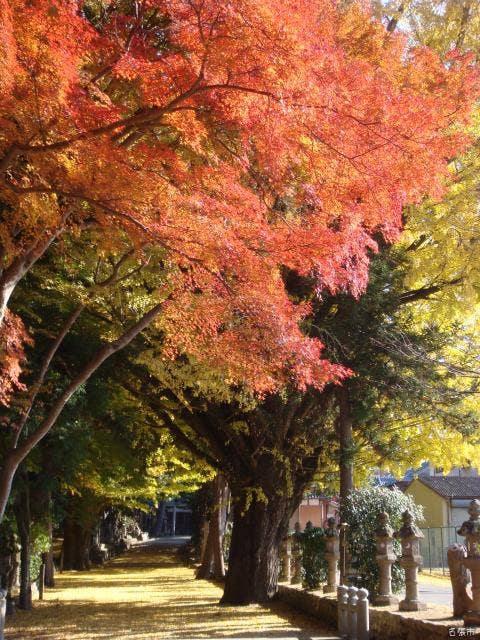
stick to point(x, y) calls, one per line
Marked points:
point(385, 622)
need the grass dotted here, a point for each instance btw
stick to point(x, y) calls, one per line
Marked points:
point(148, 595)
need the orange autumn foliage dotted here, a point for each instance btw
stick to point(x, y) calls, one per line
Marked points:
point(240, 137)
point(13, 338)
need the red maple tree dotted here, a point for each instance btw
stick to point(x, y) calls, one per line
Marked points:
point(241, 137)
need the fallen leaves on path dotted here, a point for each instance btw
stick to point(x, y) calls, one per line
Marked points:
point(149, 595)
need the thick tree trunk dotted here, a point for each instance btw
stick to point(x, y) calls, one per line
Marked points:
point(76, 541)
point(23, 519)
point(76, 545)
point(212, 560)
point(253, 563)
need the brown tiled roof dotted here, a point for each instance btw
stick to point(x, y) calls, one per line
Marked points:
point(453, 487)
point(400, 484)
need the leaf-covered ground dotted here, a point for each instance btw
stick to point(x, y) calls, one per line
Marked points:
point(148, 594)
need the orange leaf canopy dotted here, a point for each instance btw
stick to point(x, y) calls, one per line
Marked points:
point(241, 137)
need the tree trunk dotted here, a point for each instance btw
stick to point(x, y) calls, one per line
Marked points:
point(345, 436)
point(253, 564)
point(76, 545)
point(23, 519)
point(48, 556)
point(212, 560)
point(160, 515)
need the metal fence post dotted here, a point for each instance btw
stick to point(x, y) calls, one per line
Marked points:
point(429, 550)
point(441, 550)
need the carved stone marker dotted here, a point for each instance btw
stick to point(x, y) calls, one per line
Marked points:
point(332, 555)
point(460, 577)
point(296, 556)
point(363, 618)
point(410, 536)
point(342, 603)
point(471, 530)
point(385, 558)
point(285, 560)
point(352, 612)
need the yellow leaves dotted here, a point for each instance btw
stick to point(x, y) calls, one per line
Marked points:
point(149, 596)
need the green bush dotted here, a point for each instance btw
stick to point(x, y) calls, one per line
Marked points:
point(39, 544)
point(314, 565)
point(360, 512)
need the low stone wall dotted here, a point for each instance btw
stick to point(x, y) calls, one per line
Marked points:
point(386, 623)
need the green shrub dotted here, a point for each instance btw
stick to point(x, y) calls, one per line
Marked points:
point(39, 543)
point(360, 512)
point(314, 565)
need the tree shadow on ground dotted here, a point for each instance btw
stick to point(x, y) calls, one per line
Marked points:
point(149, 596)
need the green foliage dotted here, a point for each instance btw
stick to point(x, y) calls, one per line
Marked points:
point(360, 512)
point(314, 565)
point(39, 543)
point(8, 535)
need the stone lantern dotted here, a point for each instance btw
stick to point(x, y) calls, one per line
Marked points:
point(471, 530)
point(332, 555)
point(385, 558)
point(410, 536)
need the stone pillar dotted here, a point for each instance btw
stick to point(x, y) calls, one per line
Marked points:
point(363, 617)
point(410, 560)
point(285, 560)
point(342, 608)
point(471, 530)
point(3, 606)
point(332, 555)
point(296, 556)
point(385, 558)
point(352, 612)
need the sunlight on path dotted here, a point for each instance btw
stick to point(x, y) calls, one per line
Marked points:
point(148, 595)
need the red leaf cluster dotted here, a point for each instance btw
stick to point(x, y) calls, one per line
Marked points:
point(241, 137)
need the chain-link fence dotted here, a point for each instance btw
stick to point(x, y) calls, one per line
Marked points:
point(434, 547)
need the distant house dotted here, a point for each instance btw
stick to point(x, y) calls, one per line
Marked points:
point(314, 508)
point(444, 498)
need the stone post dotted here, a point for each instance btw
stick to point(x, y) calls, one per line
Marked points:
point(342, 607)
point(285, 560)
point(352, 612)
point(332, 555)
point(296, 556)
point(363, 618)
point(3, 606)
point(410, 560)
point(471, 530)
point(385, 558)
